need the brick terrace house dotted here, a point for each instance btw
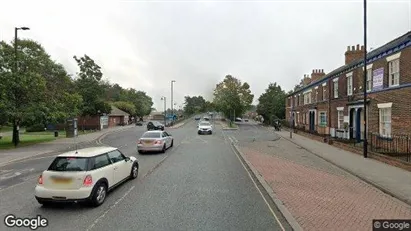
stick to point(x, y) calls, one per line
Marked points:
point(332, 104)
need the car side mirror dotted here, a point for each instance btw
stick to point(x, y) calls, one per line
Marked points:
point(127, 159)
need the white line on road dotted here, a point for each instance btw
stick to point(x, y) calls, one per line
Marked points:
point(109, 209)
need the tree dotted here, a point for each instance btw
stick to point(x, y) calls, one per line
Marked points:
point(126, 106)
point(194, 104)
point(22, 89)
point(272, 103)
point(232, 97)
point(90, 86)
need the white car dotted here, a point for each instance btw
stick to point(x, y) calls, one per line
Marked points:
point(158, 141)
point(205, 127)
point(85, 175)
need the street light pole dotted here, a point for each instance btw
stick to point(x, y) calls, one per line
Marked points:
point(16, 122)
point(165, 109)
point(172, 111)
point(365, 81)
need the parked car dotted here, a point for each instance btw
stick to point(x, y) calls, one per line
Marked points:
point(155, 125)
point(85, 175)
point(155, 141)
point(197, 118)
point(205, 127)
point(238, 119)
point(139, 123)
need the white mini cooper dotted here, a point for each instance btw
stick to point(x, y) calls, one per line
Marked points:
point(85, 175)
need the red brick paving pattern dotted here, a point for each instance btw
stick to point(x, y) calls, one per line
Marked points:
point(322, 201)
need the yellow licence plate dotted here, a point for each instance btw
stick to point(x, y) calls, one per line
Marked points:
point(61, 181)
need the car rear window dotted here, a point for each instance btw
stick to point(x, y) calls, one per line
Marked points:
point(152, 135)
point(69, 164)
point(205, 124)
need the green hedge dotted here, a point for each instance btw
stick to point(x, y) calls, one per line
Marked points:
point(35, 128)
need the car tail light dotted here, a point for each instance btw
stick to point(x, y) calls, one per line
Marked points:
point(88, 181)
point(158, 142)
point(40, 181)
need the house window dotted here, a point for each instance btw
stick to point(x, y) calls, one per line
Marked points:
point(336, 89)
point(349, 85)
point(307, 98)
point(385, 122)
point(394, 73)
point(323, 118)
point(340, 119)
point(369, 79)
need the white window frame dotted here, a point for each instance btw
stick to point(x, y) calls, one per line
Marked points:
point(394, 73)
point(335, 88)
point(340, 112)
point(385, 117)
point(325, 118)
point(349, 84)
point(369, 79)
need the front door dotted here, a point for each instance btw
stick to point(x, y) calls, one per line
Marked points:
point(358, 125)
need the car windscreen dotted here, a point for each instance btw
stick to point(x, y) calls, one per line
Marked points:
point(69, 164)
point(151, 135)
point(205, 124)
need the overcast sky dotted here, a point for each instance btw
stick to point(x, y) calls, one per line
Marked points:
point(146, 44)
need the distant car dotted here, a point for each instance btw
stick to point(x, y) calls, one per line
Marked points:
point(155, 141)
point(205, 118)
point(238, 119)
point(155, 125)
point(139, 123)
point(245, 120)
point(85, 175)
point(205, 128)
point(197, 118)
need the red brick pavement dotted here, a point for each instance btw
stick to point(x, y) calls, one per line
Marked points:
point(319, 200)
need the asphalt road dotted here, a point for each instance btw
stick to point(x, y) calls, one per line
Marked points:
point(199, 184)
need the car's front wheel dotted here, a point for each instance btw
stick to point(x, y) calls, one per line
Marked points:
point(99, 194)
point(164, 149)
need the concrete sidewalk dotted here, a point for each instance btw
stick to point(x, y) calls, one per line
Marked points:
point(59, 145)
point(392, 180)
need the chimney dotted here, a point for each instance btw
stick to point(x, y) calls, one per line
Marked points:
point(306, 80)
point(317, 74)
point(354, 53)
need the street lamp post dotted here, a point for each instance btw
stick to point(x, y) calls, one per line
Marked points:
point(165, 109)
point(172, 111)
point(16, 129)
point(365, 81)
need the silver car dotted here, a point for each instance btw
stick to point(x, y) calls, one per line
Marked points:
point(155, 141)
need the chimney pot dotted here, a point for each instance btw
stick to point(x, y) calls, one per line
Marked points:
point(352, 48)
point(348, 48)
point(362, 47)
point(358, 47)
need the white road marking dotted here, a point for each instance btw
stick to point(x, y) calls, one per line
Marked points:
point(258, 189)
point(109, 209)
